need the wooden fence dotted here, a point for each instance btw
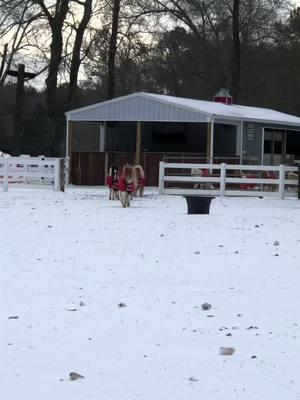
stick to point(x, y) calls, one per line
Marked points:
point(27, 171)
point(228, 180)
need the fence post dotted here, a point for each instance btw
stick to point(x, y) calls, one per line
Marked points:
point(222, 179)
point(5, 175)
point(281, 181)
point(66, 170)
point(56, 175)
point(62, 174)
point(161, 176)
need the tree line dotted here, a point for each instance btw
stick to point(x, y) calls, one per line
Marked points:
point(85, 51)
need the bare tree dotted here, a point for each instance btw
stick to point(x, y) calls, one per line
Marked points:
point(113, 49)
point(76, 53)
point(16, 26)
point(236, 59)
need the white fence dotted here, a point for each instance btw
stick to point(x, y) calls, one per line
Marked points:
point(34, 171)
point(228, 180)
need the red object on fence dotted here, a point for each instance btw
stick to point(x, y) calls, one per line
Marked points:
point(248, 186)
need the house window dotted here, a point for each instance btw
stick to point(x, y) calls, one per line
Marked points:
point(251, 132)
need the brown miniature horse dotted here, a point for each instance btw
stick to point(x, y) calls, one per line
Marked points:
point(127, 184)
point(140, 180)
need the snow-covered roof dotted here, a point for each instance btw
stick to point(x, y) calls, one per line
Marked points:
point(154, 107)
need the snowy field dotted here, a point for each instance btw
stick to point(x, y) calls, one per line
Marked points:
point(69, 260)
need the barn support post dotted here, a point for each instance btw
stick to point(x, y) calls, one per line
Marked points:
point(105, 167)
point(241, 142)
point(262, 146)
point(208, 136)
point(210, 141)
point(138, 142)
point(283, 147)
point(272, 147)
point(102, 137)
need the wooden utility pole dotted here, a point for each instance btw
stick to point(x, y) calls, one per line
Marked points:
point(21, 75)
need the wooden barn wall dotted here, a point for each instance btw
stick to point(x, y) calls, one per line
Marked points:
point(89, 168)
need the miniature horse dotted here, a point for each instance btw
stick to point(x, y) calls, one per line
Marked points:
point(127, 184)
point(140, 180)
point(113, 183)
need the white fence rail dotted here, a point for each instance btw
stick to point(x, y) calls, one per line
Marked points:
point(228, 180)
point(33, 171)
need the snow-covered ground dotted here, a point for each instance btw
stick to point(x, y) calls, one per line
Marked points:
point(69, 260)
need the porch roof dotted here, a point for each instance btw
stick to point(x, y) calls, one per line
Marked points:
point(160, 108)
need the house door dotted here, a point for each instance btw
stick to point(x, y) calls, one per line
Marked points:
point(274, 146)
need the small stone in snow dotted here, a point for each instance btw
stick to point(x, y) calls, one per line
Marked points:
point(276, 243)
point(229, 334)
point(240, 315)
point(197, 252)
point(13, 317)
point(253, 357)
point(206, 306)
point(210, 316)
point(226, 351)
point(74, 376)
point(121, 305)
point(82, 304)
point(192, 379)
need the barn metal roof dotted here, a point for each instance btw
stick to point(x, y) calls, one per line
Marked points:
point(160, 108)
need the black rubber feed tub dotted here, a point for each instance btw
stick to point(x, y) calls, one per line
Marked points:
point(198, 204)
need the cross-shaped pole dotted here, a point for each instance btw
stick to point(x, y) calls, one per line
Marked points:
point(21, 75)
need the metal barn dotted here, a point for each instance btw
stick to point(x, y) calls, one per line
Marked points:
point(147, 128)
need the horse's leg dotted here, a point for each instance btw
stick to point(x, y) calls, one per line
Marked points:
point(122, 198)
